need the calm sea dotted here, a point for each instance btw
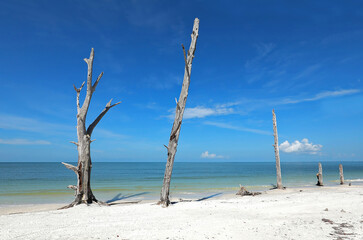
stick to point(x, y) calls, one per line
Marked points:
point(28, 183)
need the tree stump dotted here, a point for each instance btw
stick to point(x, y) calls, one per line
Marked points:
point(319, 176)
point(341, 174)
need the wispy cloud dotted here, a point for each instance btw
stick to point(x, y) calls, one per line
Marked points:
point(237, 128)
point(308, 71)
point(19, 123)
point(202, 112)
point(20, 141)
point(263, 49)
point(321, 95)
point(206, 154)
point(300, 147)
point(109, 134)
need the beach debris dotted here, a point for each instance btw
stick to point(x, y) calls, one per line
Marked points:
point(243, 192)
point(83, 169)
point(341, 174)
point(326, 209)
point(301, 190)
point(339, 229)
point(179, 111)
point(319, 176)
point(350, 184)
point(277, 155)
point(342, 210)
point(327, 221)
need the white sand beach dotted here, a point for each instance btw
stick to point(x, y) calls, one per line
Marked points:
point(313, 213)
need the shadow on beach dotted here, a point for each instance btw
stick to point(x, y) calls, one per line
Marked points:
point(197, 200)
point(119, 197)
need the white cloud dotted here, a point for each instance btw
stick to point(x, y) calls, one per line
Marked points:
point(20, 141)
point(322, 95)
point(301, 147)
point(206, 154)
point(242, 129)
point(202, 112)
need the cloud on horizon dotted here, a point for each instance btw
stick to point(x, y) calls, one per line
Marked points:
point(206, 154)
point(300, 147)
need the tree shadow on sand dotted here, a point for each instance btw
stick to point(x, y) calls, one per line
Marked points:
point(197, 200)
point(119, 197)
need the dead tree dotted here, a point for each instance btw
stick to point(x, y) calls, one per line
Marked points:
point(83, 190)
point(319, 176)
point(341, 174)
point(277, 154)
point(179, 111)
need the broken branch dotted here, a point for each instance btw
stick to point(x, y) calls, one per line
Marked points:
point(71, 167)
point(98, 119)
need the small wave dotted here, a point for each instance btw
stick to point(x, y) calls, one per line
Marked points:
point(354, 180)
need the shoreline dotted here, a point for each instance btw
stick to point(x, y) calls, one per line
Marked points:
point(8, 209)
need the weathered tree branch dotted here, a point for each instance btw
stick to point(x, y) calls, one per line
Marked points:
point(96, 83)
point(88, 97)
point(71, 167)
point(186, 61)
point(96, 121)
point(78, 90)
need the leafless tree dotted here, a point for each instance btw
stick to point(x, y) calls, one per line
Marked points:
point(277, 154)
point(83, 190)
point(179, 111)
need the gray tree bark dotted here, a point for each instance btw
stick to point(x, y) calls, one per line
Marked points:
point(341, 174)
point(179, 111)
point(277, 154)
point(83, 190)
point(320, 176)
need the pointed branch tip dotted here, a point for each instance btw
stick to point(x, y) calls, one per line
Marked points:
point(71, 167)
point(74, 143)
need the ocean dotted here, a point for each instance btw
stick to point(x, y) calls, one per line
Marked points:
point(35, 182)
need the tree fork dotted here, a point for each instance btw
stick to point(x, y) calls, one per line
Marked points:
point(179, 111)
point(83, 190)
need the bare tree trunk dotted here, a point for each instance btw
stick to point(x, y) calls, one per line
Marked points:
point(320, 176)
point(341, 174)
point(83, 170)
point(277, 154)
point(179, 111)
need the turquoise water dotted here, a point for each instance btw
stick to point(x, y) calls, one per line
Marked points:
point(27, 183)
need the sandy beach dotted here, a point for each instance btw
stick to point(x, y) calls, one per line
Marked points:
point(296, 213)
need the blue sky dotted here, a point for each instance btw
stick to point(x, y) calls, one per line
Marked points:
point(302, 58)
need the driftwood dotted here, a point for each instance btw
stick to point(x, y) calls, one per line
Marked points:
point(341, 174)
point(83, 190)
point(319, 176)
point(277, 154)
point(243, 192)
point(179, 111)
